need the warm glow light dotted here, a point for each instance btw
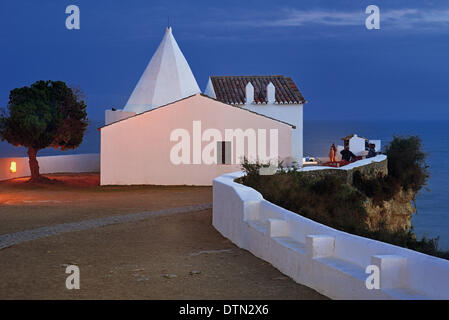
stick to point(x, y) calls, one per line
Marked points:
point(13, 167)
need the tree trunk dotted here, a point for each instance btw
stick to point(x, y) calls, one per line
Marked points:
point(34, 165)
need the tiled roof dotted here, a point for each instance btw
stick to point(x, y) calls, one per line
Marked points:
point(350, 136)
point(231, 89)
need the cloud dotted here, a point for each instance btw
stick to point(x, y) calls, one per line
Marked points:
point(420, 19)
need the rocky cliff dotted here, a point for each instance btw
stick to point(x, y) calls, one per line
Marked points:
point(394, 214)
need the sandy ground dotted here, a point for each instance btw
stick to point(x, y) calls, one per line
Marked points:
point(168, 257)
point(79, 197)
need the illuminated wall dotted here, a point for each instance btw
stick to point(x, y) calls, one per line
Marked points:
point(137, 150)
point(51, 164)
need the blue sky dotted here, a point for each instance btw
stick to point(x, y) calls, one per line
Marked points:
point(344, 70)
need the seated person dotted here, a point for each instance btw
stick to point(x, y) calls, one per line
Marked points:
point(371, 150)
point(347, 155)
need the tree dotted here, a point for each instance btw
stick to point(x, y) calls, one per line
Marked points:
point(46, 114)
point(407, 162)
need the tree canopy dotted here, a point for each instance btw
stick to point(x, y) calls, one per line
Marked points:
point(45, 114)
point(407, 162)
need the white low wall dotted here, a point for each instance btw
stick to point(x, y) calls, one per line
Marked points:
point(51, 164)
point(330, 261)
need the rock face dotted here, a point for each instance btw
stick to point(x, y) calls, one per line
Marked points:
point(394, 214)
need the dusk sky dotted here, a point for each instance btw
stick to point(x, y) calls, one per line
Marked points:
point(344, 70)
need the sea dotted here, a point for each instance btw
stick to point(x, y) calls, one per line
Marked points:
point(432, 217)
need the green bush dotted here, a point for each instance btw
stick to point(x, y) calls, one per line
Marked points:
point(406, 162)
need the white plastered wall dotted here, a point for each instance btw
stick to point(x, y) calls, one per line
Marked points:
point(290, 113)
point(137, 150)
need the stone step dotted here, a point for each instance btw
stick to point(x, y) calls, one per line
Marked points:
point(344, 266)
point(259, 225)
point(291, 243)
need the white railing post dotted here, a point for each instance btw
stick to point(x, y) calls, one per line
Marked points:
point(251, 210)
point(318, 246)
point(393, 270)
point(278, 228)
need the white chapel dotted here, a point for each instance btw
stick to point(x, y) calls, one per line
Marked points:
point(169, 133)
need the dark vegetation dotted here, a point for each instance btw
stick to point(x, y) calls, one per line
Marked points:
point(45, 114)
point(407, 170)
point(330, 200)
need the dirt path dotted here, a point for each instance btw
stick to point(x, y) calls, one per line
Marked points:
point(24, 206)
point(178, 256)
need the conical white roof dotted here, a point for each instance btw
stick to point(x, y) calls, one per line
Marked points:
point(167, 78)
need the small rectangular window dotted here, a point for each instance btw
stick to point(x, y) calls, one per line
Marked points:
point(224, 152)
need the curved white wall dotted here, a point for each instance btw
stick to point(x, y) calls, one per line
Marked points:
point(330, 261)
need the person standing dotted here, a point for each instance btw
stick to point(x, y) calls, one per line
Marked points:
point(332, 153)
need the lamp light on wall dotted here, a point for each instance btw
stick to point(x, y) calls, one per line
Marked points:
point(13, 167)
